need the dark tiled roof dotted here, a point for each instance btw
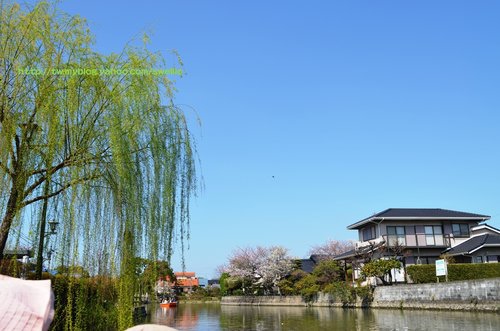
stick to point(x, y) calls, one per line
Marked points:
point(307, 265)
point(427, 212)
point(415, 213)
point(474, 243)
point(360, 252)
point(317, 258)
point(485, 226)
point(349, 253)
point(19, 253)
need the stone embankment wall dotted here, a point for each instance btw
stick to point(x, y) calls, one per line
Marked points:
point(481, 294)
point(464, 295)
point(295, 300)
point(321, 300)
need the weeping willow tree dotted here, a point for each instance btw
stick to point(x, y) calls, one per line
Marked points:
point(107, 151)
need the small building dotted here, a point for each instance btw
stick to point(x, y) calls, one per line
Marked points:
point(308, 265)
point(18, 254)
point(186, 281)
point(483, 246)
point(214, 283)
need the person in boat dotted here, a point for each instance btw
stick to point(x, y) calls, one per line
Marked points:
point(169, 300)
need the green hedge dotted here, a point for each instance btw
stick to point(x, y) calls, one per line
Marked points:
point(426, 273)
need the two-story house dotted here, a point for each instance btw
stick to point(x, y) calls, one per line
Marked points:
point(421, 235)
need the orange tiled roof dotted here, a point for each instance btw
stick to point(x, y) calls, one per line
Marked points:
point(184, 274)
point(188, 282)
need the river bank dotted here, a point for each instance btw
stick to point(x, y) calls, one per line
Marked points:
point(473, 295)
point(200, 300)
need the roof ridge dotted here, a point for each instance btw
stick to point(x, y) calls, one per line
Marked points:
point(485, 239)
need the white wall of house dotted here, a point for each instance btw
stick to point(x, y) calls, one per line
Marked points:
point(398, 275)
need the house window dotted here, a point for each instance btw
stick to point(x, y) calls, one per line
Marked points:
point(369, 233)
point(478, 259)
point(396, 235)
point(460, 230)
point(493, 258)
point(426, 260)
point(434, 235)
point(431, 260)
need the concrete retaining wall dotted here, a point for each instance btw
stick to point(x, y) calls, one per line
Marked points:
point(464, 295)
point(264, 301)
point(321, 300)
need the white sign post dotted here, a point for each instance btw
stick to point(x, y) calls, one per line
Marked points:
point(441, 269)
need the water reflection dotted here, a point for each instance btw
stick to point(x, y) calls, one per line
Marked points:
point(292, 318)
point(435, 320)
point(213, 317)
point(187, 316)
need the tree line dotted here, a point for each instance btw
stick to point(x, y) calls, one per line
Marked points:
point(272, 271)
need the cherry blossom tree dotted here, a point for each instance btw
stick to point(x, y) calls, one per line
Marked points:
point(276, 265)
point(332, 247)
point(245, 262)
point(260, 267)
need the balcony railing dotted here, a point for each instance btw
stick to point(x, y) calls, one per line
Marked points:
point(438, 240)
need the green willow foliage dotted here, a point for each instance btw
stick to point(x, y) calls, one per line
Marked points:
point(116, 164)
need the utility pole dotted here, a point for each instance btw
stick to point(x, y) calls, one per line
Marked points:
point(43, 220)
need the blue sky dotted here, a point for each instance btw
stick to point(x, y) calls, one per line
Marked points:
point(352, 106)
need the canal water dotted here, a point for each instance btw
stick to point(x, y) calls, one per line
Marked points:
point(214, 317)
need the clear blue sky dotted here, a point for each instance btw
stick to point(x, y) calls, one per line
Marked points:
point(352, 106)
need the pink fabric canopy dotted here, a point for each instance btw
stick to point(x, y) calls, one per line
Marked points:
point(25, 304)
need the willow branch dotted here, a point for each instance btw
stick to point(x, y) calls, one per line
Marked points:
point(40, 180)
point(16, 154)
point(62, 189)
point(50, 171)
point(6, 169)
point(71, 160)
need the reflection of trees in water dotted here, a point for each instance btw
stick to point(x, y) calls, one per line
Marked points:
point(213, 317)
point(293, 318)
point(319, 318)
point(435, 320)
point(185, 316)
point(164, 316)
point(257, 318)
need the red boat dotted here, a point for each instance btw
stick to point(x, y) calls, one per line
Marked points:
point(168, 304)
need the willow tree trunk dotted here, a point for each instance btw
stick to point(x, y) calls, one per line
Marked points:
point(10, 213)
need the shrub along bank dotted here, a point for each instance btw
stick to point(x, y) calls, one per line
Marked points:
point(327, 277)
point(426, 273)
point(325, 286)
